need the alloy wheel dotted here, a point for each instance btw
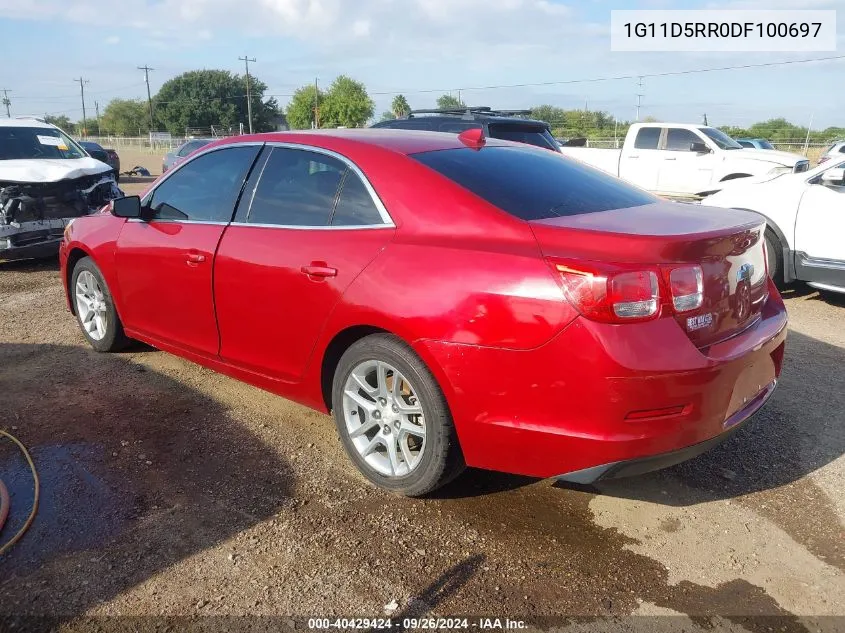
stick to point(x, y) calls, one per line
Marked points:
point(91, 305)
point(384, 418)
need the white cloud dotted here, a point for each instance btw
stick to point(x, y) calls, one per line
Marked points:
point(477, 29)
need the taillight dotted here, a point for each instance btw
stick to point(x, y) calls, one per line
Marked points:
point(611, 296)
point(686, 284)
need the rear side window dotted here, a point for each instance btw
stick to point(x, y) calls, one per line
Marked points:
point(530, 135)
point(355, 206)
point(746, 144)
point(296, 188)
point(531, 184)
point(647, 138)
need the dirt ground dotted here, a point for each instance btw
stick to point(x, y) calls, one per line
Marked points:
point(169, 490)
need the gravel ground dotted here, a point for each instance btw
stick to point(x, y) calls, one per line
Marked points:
point(169, 490)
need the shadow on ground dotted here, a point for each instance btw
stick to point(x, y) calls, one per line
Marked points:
point(141, 470)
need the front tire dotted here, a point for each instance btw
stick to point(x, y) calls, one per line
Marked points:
point(393, 419)
point(94, 307)
point(774, 254)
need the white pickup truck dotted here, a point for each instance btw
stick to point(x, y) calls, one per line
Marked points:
point(678, 159)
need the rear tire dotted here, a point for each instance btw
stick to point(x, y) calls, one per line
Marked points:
point(774, 251)
point(94, 307)
point(383, 395)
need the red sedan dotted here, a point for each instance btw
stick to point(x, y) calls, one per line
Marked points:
point(453, 300)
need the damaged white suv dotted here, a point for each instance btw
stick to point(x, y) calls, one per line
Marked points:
point(46, 179)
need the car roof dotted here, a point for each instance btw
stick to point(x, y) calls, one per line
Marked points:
point(395, 140)
point(26, 122)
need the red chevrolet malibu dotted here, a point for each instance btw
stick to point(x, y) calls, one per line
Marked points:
point(453, 300)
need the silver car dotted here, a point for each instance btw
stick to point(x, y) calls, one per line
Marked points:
point(171, 159)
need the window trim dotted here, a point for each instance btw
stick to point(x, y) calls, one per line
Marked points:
point(386, 219)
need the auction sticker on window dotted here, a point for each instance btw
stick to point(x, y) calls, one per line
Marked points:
point(53, 141)
point(716, 30)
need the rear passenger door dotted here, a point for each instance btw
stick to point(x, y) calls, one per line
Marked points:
point(641, 163)
point(308, 224)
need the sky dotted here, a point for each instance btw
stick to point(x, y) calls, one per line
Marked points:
point(421, 48)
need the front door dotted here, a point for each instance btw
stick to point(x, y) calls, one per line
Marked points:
point(820, 232)
point(683, 171)
point(165, 262)
point(310, 228)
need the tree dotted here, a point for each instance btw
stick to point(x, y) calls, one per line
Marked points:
point(62, 122)
point(347, 104)
point(86, 127)
point(126, 117)
point(400, 106)
point(387, 116)
point(448, 102)
point(205, 98)
point(300, 110)
point(552, 115)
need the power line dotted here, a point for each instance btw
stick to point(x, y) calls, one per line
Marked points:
point(246, 59)
point(147, 70)
point(616, 77)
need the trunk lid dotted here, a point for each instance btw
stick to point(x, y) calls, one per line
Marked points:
point(726, 243)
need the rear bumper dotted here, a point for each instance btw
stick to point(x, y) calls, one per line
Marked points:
point(642, 465)
point(599, 396)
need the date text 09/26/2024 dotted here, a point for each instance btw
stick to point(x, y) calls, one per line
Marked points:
point(417, 624)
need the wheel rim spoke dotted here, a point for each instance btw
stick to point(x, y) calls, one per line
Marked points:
point(384, 419)
point(393, 455)
point(367, 405)
point(369, 425)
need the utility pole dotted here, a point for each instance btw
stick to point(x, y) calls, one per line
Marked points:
point(639, 96)
point(97, 109)
point(7, 103)
point(705, 119)
point(82, 83)
point(246, 59)
point(147, 70)
point(316, 103)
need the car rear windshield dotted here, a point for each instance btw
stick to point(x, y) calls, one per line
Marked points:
point(533, 184)
point(25, 143)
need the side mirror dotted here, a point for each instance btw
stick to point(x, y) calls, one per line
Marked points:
point(127, 207)
point(699, 148)
point(834, 177)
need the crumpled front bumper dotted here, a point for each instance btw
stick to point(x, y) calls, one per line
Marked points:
point(31, 240)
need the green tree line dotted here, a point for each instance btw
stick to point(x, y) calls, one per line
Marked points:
point(205, 98)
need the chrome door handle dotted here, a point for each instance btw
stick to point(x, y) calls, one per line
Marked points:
point(195, 258)
point(319, 270)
